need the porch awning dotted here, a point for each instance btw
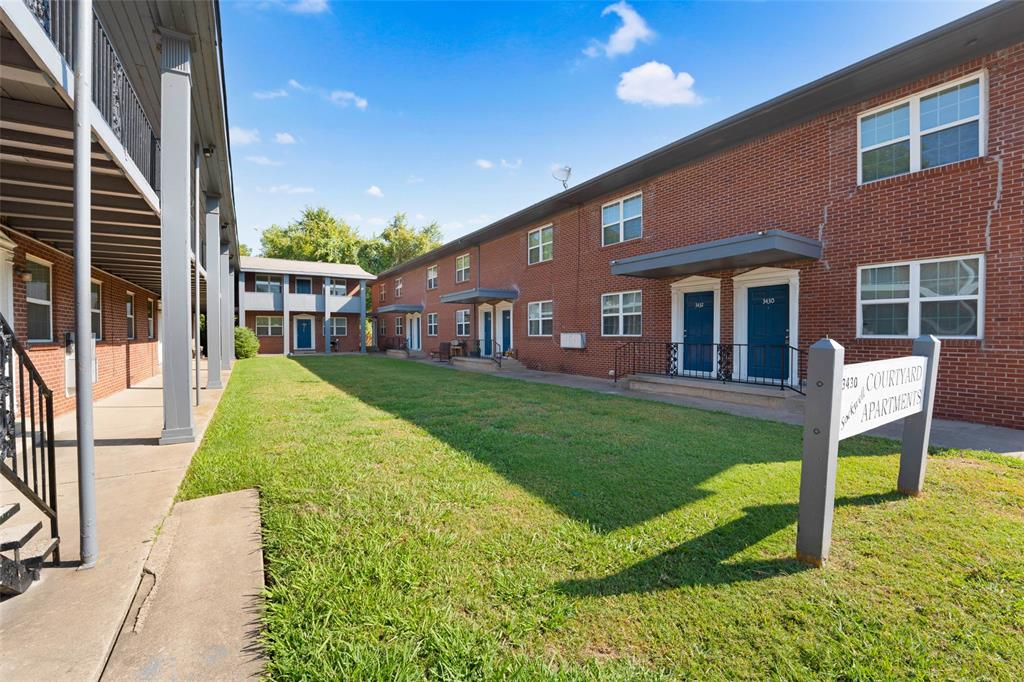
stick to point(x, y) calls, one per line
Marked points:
point(480, 296)
point(400, 308)
point(761, 248)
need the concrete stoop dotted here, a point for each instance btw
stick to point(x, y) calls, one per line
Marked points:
point(486, 364)
point(771, 397)
point(395, 353)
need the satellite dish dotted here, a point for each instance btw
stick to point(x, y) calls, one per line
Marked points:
point(562, 173)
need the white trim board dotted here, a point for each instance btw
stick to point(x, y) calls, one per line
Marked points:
point(760, 277)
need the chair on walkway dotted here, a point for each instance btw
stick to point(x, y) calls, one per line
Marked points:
point(443, 352)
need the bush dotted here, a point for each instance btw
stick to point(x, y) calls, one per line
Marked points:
point(246, 343)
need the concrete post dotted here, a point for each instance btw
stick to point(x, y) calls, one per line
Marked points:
point(175, 188)
point(83, 286)
point(362, 316)
point(327, 315)
point(227, 308)
point(821, 451)
point(214, 318)
point(917, 427)
point(287, 324)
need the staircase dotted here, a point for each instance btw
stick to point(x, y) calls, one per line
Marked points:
point(28, 465)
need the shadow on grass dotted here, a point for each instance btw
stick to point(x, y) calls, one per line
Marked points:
point(607, 461)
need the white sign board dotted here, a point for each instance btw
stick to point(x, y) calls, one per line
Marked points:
point(876, 393)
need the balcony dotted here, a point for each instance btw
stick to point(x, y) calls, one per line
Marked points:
point(301, 303)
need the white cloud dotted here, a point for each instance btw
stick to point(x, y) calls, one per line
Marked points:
point(296, 85)
point(484, 163)
point(270, 94)
point(374, 191)
point(481, 219)
point(242, 136)
point(284, 138)
point(308, 6)
point(262, 161)
point(414, 180)
point(634, 29)
point(655, 85)
point(289, 189)
point(347, 97)
point(420, 216)
point(512, 165)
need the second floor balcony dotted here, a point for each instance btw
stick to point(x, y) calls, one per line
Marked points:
point(274, 301)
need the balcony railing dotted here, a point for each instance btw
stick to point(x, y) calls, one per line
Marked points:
point(111, 90)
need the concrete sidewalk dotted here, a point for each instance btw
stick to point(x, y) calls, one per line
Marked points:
point(64, 626)
point(945, 433)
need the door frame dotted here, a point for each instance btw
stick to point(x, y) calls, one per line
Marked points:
point(760, 277)
point(498, 310)
point(417, 320)
point(312, 331)
point(696, 284)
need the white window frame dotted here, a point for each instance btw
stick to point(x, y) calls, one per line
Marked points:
point(462, 273)
point(382, 327)
point(462, 322)
point(538, 306)
point(337, 285)
point(432, 280)
point(303, 279)
point(539, 248)
point(914, 298)
point(333, 326)
point(38, 301)
point(398, 287)
point(400, 326)
point(915, 124)
point(266, 281)
point(620, 315)
point(432, 324)
point(129, 315)
point(97, 331)
point(266, 322)
point(151, 318)
point(622, 220)
point(383, 294)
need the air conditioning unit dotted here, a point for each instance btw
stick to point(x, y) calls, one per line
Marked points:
point(574, 340)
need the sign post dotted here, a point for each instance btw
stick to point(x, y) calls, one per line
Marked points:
point(843, 401)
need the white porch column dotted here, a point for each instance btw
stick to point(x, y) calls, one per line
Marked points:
point(227, 308)
point(214, 319)
point(175, 221)
point(362, 316)
point(327, 316)
point(287, 322)
point(241, 299)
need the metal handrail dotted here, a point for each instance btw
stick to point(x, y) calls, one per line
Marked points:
point(496, 354)
point(112, 92)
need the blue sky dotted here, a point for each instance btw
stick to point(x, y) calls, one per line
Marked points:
point(457, 112)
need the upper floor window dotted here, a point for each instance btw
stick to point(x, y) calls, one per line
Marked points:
point(432, 277)
point(269, 325)
point(39, 296)
point(943, 297)
point(932, 128)
point(129, 314)
point(621, 314)
point(462, 323)
point(268, 284)
point(382, 294)
point(540, 318)
point(462, 268)
point(540, 244)
point(398, 287)
point(431, 324)
point(622, 220)
point(303, 285)
point(150, 322)
point(96, 306)
point(338, 287)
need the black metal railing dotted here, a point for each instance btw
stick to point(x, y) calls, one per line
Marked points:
point(766, 365)
point(392, 343)
point(111, 90)
point(26, 429)
point(496, 354)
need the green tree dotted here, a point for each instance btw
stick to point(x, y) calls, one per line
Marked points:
point(398, 242)
point(316, 236)
point(244, 250)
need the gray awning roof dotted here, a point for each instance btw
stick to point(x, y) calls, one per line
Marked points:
point(480, 296)
point(761, 248)
point(400, 308)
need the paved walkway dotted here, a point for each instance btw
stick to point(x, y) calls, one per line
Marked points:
point(945, 433)
point(64, 626)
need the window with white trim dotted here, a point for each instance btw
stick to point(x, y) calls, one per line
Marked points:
point(540, 318)
point(96, 307)
point(382, 294)
point(462, 323)
point(338, 326)
point(462, 268)
point(622, 220)
point(540, 245)
point(268, 284)
point(269, 325)
point(398, 287)
point(431, 324)
point(622, 313)
point(338, 287)
point(129, 315)
point(39, 297)
point(382, 328)
point(399, 326)
point(933, 128)
point(943, 297)
point(432, 277)
point(150, 318)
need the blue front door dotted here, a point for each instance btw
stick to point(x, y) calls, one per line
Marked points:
point(488, 338)
point(304, 333)
point(506, 331)
point(698, 331)
point(768, 332)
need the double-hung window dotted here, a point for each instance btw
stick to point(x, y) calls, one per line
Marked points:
point(462, 268)
point(382, 328)
point(621, 314)
point(540, 318)
point(431, 324)
point(269, 325)
point(540, 245)
point(96, 306)
point(399, 326)
point(150, 319)
point(303, 285)
point(268, 284)
point(622, 220)
point(462, 323)
point(943, 297)
point(339, 326)
point(129, 315)
point(382, 294)
point(39, 297)
point(432, 277)
point(338, 287)
point(398, 287)
point(932, 128)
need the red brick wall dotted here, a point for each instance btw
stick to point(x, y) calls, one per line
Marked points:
point(802, 180)
point(122, 362)
point(275, 344)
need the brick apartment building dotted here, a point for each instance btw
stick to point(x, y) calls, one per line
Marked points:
point(881, 202)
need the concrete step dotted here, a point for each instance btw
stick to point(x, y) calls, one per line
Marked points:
point(741, 394)
point(511, 363)
point(478, 364)
point(17, 537)
point(8, 510)
point(393, 353)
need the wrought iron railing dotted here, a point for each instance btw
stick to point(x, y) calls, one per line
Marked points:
point(496, 354)
point(111, 90)
point(767, 365)
point(392, 343)
point(26, 429)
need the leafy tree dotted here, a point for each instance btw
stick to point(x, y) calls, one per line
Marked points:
point(244, 250)
point(315, 236)
point(399, 242)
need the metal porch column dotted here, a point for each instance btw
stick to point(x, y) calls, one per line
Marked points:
point(214, 338)
point(227, 308)
point(362, 316)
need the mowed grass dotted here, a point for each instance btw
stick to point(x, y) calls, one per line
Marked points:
point(425, 523)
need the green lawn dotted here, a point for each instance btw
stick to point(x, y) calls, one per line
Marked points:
point(422, 522)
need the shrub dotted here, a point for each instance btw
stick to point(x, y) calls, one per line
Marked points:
point(246, 343)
